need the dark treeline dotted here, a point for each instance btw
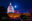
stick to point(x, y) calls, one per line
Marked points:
point(3, 14)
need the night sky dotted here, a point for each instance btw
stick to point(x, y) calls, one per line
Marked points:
point(21, 4)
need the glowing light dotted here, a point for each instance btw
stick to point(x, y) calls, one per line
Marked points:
point(15, 6)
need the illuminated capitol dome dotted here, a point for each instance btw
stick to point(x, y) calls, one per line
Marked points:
point(10, 9)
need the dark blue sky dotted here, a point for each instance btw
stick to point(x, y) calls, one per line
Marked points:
point(22, 4)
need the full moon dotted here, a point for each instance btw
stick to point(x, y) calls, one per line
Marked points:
point(15, 6)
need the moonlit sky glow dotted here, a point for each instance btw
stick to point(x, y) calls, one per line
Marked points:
point(22, 4)
point(15, 6)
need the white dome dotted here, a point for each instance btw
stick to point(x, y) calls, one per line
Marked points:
point(10, 9)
